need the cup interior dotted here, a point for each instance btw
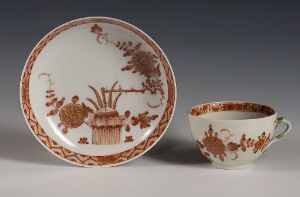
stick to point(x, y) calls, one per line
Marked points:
point(231, 111)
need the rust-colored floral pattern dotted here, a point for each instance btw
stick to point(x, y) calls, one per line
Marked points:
point(213, 145)
point(88, 160)
point(103, 118)
point(83, 140)
point(128, 139)
point(51, 100)
point(262, 142)
point(143, 119)
point(142, 62)
point(72, 115)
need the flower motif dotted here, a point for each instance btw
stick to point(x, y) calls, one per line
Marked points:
point(242, 142)
point(83, 140)
point(143, 119)
point(127, 114)
point(262, 142)
point(144, 63)
point(96, 29)
point(231, 146)
point(128, 139)
point(199, 144)
point(71, 115)
point(213, 144)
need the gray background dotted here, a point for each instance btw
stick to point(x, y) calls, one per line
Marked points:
point(219, 51)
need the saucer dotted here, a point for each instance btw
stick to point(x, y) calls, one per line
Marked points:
point(97, 91)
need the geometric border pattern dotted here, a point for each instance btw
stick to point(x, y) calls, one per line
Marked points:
point(87, 160)
point(231, 106)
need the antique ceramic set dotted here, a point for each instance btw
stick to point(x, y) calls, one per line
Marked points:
point(98, 91)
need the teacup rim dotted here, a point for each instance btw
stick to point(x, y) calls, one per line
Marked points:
point(274, 113)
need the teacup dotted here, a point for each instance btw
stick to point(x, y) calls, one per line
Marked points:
point(233, 134)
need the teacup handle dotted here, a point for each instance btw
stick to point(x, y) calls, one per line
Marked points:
point(284, 133)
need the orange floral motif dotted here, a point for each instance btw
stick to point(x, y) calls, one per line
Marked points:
point(143, 119)
point(72, 115)
point(199, 144)
point(142, 62)
point(96, 29)
point(262, 142)
point(105, 120)
point(212, 144)
point(51, 100)
point(145, 63)
point(128, 139)
point(100, 36)
point(128, 47)
point(233, 146)
point(246, 143)
point(83, 140)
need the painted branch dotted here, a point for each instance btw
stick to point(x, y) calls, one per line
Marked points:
point(104, 37)
point(126, 91)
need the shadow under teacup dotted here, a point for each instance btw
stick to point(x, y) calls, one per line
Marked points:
point(233, 134)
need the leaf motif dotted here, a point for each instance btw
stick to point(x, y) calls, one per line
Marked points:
point(233, 146)
point(138, 46)
point(50, 95)
point(128, 67)
point(59, 103)
point(53, 100)
point(128, 52)
point(52, 112)
point(200, 145)
point(49, 91)
point(86, 109)
point(154, 117)
point(243, 148)
point(134, 121)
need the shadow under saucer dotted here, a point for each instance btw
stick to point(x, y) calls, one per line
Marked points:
point(22, 146)
point(178, 152)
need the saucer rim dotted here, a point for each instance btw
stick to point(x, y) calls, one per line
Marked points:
point(167, 110)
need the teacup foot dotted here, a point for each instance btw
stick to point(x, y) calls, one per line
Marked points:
point(231, 167)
